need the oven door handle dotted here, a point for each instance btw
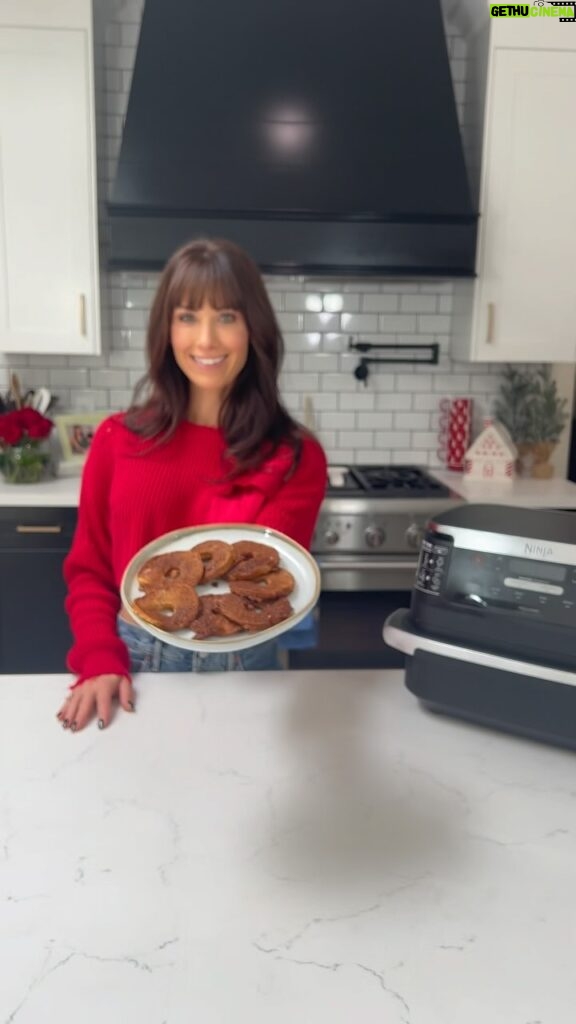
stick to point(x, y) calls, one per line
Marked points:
point(386, 565)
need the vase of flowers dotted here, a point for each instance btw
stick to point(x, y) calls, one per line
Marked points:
point(25, 457)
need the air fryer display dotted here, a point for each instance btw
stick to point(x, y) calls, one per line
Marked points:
point(537, 589)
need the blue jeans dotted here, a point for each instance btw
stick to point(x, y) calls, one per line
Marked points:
point(147, 654)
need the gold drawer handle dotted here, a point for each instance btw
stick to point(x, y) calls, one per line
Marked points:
point(38, 529)
point(490, 327)
point(83, 327)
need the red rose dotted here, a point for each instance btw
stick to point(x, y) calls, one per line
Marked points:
point(10, 430)
point(23, 423)
point(35, 425)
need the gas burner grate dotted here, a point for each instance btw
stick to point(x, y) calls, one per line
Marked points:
point(399, 481)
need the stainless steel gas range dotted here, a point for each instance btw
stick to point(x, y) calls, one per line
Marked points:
point(371, 524)
point(366, 543)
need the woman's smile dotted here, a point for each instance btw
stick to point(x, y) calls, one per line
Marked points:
point(205, 361)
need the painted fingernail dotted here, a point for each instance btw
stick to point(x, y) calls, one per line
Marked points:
point(100, 723)
point(131, 705)
point(73, 727)
point(65, 723)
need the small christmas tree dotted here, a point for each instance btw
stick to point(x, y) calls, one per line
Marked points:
point(529, 405)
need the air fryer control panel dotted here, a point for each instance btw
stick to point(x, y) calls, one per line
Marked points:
point(538, 589)
point(433, 565)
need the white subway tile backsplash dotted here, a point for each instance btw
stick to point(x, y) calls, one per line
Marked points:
point(427, 402)
point(481, 382)
point(401, 323)
point(126, 358)
point(409, 456)
point(307, 382)
point(355, 438)
point(373, 456)
point(290, 321)
point(109, 378)
point(92, 400)
point(359, 401)
point(379, 303)
point(68, 378)
point(394, 417)
point(392, 439)
point(338, 382)
point(337, 420)
point(458, 384)
point(292, 362)
point(320, 362)
point(324, 402)
point(395, 401)
point(411, 421)
point(411, 382)
point(364, 323)
point(322, 322)
point(121, 398)
point(374, 420)
point(418, 303)
point(434, 324)
point(425, 439)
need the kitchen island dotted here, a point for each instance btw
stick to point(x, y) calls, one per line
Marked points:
point(277, 847)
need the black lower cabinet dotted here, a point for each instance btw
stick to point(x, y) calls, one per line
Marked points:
point(34, 632)
point(349, 631)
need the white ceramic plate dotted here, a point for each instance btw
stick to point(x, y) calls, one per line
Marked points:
point(292, 557)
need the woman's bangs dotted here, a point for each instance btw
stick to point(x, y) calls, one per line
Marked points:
point(210, 281)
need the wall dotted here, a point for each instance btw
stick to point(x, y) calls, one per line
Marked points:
point(393, 418)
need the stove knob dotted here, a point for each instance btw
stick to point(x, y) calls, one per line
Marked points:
point(331, 537)
point(374, 536)
point(414, 536)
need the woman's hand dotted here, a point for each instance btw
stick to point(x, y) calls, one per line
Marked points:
point(95, 695)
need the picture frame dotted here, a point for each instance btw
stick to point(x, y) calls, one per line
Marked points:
point(75, 433)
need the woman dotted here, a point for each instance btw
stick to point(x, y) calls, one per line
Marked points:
point(207, 440)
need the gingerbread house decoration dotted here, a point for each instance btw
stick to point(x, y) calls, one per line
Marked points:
point(492, 456)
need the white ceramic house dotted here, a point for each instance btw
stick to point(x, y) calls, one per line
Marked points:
point(492, 456)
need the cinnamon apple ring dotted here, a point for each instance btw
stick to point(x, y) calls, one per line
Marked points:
point(252, 560)
point(251, 616)
point(170, 607)
point(184, 567)
point(210, 622)
point(217, 558)
point(275, 584)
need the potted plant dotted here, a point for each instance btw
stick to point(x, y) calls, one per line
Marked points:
point(529, 406)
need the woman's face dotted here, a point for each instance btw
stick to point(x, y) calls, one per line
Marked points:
point(210, 345)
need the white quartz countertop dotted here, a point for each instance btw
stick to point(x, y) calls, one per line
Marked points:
point(554, 493)
point(299, 846)
point(63, 492)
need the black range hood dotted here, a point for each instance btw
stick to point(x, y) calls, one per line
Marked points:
point(321, 135)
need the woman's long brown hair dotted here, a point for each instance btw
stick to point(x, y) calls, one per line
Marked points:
point(252, 418)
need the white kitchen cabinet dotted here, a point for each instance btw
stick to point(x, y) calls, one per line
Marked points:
point(522, 307)
point(49, 289)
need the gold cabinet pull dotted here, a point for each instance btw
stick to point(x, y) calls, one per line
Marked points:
point(490, 323)
point(83, 327)
point(38, 529)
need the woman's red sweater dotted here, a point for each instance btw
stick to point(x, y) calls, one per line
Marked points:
point(133, 492)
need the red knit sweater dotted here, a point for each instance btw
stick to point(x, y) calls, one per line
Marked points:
point(132, 493)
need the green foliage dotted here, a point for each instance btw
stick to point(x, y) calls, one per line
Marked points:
point(529, 406)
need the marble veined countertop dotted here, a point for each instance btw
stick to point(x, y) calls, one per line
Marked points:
point(300, 846)
point(521, 491)
point(64, 491)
